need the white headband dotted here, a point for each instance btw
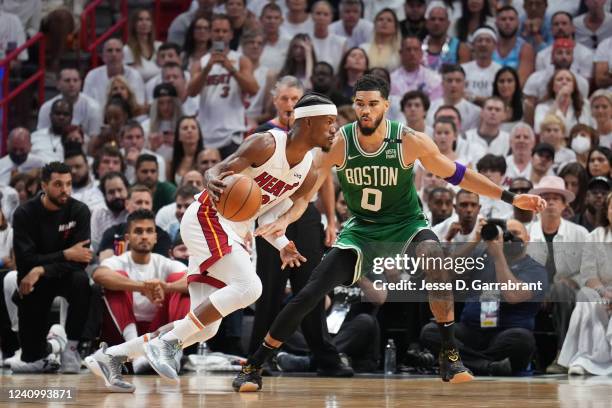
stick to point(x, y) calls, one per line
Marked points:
point(485, 31)
point(315, 110)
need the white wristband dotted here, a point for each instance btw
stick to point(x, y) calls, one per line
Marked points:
point(278, 243)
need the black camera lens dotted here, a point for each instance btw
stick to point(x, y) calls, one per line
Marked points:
point(489, 231)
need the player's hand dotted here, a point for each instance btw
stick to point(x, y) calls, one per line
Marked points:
point(274, 229)
point(79, 252)
point(26, 286)
point(529, 202)
point(330, 234)
point(453, 230)
point(290, 256)
point(215, 185)
point(154, 290)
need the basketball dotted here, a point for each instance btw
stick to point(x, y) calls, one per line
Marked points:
point(241, 199)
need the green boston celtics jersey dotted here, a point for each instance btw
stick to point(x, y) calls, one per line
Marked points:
point(377, 186)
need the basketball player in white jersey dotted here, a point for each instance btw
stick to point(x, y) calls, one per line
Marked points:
point(221, 277)
point(221, 78)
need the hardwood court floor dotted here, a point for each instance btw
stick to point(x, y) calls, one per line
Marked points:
point(297, 392)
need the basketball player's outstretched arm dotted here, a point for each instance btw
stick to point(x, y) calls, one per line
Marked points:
point(322, 165)
point(417, 145)
point(255, 151)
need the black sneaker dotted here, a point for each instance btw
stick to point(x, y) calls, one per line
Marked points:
point(248, 379)
point(290, 363)
point(341, 370)
point(452, 369)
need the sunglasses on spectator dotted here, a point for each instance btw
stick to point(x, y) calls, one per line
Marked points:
point(521, 190)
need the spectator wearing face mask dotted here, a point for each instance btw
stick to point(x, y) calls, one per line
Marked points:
point(18, 159)
point(581, 139)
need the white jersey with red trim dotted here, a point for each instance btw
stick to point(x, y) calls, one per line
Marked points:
point(276, 179)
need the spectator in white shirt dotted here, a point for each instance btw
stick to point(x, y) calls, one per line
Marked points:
point(559, 249)
point(601, 110)
point(140, 52)
point(86, 112)
point(350, 25)
point(562, 26)
point(453, 86)
point(383, 48)
point(480, 73)
point(96, 81)
point(415, 105)
point(412, 75)
point(276, 43)
point(553, 131)
point(461, 226)
point(494, 168)
point(581, 139)
point(603, 65)
point(84, 187)
point(542, 160)
point(132, 146)
point(12, 35)
point(178, 27)
point(536, 88)
point(167, 53)
point(18, 159)
point(47, 142)
point(173, 74)
point(164, 113)
point(488, 134)
point(328, 46)
point(565, 101)
point(297, 20)
point(114, 187)
point(522, 142)
point(595, 25)
point(167, 216)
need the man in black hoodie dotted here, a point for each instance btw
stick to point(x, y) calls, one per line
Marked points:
point(51, 238)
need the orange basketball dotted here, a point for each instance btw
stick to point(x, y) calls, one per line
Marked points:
point(241, 199)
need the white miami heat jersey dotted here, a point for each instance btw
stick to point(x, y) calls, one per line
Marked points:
point(277, 181)
point(222, 113)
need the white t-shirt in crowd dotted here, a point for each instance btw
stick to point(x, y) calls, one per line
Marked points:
point(537, 83)
point(159, 267)
point(584, 35)
point(604, 54)
point(12, 35)
point(583, 60)
point(86, 112)
point(470, 113)
point(362, 32)
point(148, 67)
point(330, 49)
point(291, 30)
point(96, 84)
point(478, 80)
point(498, 146)
point(274, 55)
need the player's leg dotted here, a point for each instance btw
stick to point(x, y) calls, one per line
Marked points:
point(442, 305)
point(237, 286)
point(336, 268)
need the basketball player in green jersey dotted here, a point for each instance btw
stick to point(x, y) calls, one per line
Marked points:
point(374, 158)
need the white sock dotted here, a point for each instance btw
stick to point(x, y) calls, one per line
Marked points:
point(73, 344)
point(184, 328)
point(130, 332)
point(131, 348)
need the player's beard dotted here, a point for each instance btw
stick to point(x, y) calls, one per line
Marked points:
point(56, 200)
point(367, 131)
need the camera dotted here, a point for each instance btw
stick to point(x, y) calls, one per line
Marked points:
point(493, 228)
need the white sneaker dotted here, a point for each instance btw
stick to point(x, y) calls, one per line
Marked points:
point(71, 361)
point(58, 335)
point(576, 370)
point(49, 364)
point(6, 363)
point(109, 368)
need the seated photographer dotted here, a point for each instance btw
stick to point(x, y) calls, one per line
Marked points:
point(495, 331)
point(352, 322)
point(587, 348)
point(142, 290)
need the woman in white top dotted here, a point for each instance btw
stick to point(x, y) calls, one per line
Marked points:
point(383, 49)
point(601, 110)
point(564, 100)
point(300, 60)
point(7, 259)
point(141, 49)
point(587, 348)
